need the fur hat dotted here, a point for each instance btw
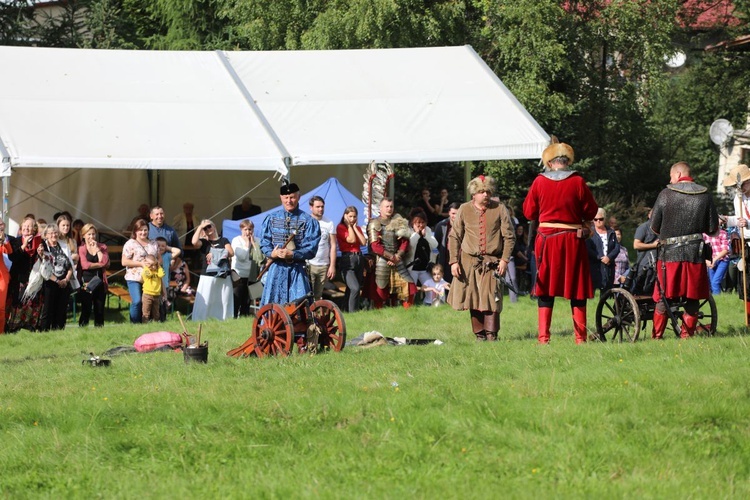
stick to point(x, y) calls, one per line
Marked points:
point(288, 189)
point(557, 149)
point(731, 178)
point(482, 183)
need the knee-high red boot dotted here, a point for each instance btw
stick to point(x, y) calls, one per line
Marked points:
point(545, 320)
point(689, 323)
point(579, 324)
point(660, 324)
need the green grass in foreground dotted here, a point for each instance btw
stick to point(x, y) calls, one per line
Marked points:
point(653, 419)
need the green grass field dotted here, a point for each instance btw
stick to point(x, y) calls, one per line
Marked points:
point(667, 419)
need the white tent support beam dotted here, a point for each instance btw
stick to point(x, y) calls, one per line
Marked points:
point(5, 174)
point(256, 110)
point(5, 158)
point(520, 107)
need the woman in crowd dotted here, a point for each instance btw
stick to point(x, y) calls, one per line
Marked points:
point(214, 297)
point(69, 244)
point(602, 248)
point(57, 287)
point(5, 249)
point(77, 231)
point(26, 251)
point(134, 259)
point(246, 263)
point(350, 239)
point(622, 261)
point(94, 259)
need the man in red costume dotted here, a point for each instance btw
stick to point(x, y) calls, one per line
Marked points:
point(683, 211)
point(389, 241)
point(563, 206)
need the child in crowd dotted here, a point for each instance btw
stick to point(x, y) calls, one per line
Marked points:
point(436, 289)
point(180, 274)
point(152, 288)
point(166, 253)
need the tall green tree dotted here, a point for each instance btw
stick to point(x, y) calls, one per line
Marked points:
point(15, 21)
point(590, 71)
point(586, 71)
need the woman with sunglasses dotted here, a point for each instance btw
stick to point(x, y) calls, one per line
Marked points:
point(603, 248)
point(214, 297)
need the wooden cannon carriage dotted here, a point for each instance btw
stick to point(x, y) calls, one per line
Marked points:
point(313, 326)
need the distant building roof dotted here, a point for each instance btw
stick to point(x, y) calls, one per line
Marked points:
point(739, 44)
point(707, 14)
point(694, 14)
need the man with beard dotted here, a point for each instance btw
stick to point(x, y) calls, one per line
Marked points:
point(289, 237)
point(389, 241)
point(480, 246)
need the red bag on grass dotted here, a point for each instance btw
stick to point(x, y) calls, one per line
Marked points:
point(150, 341)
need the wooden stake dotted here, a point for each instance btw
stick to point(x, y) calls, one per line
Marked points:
point(184, 329)
point(742, 241)
point(744, 274)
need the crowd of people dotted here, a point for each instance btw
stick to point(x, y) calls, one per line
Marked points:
point(462, 254)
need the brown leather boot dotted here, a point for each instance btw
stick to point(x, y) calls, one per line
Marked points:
point(579, 324)
point(477, 324)
point(545, 320)
point(492, 325)
point(660, 324)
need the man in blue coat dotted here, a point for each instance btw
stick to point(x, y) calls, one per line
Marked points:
point(289, 237)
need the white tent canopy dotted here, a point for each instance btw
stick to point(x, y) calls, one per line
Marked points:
point(128, 109)
point(398, 105)
point(194, 112)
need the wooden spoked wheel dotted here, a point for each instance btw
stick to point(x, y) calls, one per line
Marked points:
point(328, 317)
point(272, 331)
point(708, 317)
point(617, 316)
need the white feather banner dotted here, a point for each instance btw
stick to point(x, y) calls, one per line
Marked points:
point(377, 181)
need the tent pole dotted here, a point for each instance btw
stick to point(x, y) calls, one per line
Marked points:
point(156, 194)
point(152, 201)
point(467, 179)
point(6, 190)
point(5, 173)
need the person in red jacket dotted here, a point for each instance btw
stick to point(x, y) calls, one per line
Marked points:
point(562, 204)
point(6, 249)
